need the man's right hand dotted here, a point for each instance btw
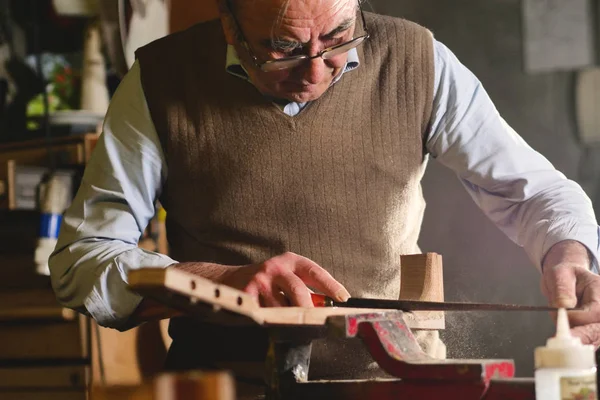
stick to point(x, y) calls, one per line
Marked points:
point(278, 282)
point(283, 281)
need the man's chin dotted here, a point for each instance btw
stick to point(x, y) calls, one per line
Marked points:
point(305, 95)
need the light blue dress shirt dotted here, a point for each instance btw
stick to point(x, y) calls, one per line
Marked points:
point(516, 187)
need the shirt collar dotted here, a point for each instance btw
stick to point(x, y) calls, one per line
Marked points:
point(234, 67)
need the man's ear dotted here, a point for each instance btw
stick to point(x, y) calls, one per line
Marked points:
point(227, 23)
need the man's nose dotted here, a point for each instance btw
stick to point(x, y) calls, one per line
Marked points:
point(314, 71)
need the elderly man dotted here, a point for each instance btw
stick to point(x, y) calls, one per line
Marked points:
point(287, 142)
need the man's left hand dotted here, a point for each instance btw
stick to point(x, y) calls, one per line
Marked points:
point(568, 283)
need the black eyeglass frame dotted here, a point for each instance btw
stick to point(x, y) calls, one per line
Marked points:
point(294, 61)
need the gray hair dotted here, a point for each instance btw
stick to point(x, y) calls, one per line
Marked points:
point(233, 6)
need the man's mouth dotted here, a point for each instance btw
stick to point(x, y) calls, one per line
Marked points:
point(299, 85)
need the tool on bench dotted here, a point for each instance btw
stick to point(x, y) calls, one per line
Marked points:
point(384, 328)
point(320, 300)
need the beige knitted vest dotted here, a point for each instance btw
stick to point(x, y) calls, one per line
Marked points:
point(339, 183)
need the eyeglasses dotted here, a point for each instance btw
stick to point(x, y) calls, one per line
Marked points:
point(295, 61)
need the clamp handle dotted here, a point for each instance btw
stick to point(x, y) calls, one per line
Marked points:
point(320, 300)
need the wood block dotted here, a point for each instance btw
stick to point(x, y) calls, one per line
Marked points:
point(319, 316)
point(422, 279)
point(191, 294)
point(194, 287)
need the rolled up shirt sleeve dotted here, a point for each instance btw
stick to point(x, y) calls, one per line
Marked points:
point(97, 246)
point(535, 205)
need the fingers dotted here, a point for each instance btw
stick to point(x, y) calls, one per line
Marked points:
point(315, 276)
point(589, 334)
point(253, 291)
point(560, 284)
point(590, 315)
point(570, 286)
point(274, 299)
point(282, 281)
point(266, 293)
point(280, 290)
point(295, 290)
point(588, 291)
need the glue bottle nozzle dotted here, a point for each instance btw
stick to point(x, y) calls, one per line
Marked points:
point(563, 330)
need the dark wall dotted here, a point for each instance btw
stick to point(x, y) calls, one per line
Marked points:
point(481, 264)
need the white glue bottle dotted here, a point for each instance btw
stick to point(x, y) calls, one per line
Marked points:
point(565, 368)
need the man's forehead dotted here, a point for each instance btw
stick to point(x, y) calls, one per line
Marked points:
point(295, 14)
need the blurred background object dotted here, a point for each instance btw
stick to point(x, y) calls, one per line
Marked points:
point(558, 35)
point(94, 93)
point(129, 24)
point(76, 8)
point(55, 195)
point(57, 74)
point(149, 20)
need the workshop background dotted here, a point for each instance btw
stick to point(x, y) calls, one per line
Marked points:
point(539, 93)
point(480, 263)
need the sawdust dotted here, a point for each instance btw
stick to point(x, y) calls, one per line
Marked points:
point(464, 337)
point(458, 335)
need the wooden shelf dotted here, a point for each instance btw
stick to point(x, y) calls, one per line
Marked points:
point(67, 150)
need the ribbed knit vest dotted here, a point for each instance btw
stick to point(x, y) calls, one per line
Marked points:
point(339, 183)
